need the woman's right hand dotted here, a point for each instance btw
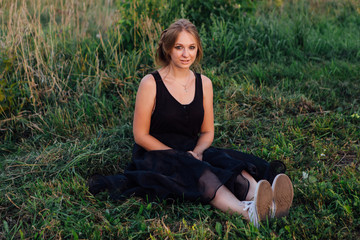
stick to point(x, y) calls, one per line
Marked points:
point(195, 155)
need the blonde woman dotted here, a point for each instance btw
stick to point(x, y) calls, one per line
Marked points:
point(173, 130)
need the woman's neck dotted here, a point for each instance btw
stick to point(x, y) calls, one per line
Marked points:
point(177, 73)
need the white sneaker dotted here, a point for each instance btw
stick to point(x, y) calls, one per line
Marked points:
point(259, 208)
point(252, 211)
point(283, 193)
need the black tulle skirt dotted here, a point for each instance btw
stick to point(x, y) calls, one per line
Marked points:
point(176, 174)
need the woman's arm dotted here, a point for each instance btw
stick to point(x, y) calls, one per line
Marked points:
point(144, 105)
point(207, 128)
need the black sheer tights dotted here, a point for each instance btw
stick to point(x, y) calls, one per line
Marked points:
point(241, 187)
point(209, 184)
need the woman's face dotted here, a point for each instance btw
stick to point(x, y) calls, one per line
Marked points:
point(184, 52)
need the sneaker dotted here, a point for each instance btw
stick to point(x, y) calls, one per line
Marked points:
point(252, 211)
point(259, 208)
point(97, 183)
point(283, 193)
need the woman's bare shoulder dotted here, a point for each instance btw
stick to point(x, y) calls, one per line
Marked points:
point(148, 81)
point(147, 87)
point(206, 82)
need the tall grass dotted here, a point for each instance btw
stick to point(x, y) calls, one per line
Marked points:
point(65, 56)
point(286, 87)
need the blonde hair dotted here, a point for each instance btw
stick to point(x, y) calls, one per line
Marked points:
point(168, 38)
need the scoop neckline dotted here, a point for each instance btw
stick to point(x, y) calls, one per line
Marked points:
point(167, 90)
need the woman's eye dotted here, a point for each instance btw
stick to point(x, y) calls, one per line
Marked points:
point(180, 47)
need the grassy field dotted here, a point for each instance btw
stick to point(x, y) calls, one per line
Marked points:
point(286, 78)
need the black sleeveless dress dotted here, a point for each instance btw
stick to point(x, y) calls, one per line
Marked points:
point(175, 173)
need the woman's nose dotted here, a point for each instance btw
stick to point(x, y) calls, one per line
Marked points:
point(185, 52)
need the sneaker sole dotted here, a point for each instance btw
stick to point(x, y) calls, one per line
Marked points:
point(263, 198)
point(283, 195)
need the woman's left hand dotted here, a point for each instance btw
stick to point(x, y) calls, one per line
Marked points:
point(196, 155)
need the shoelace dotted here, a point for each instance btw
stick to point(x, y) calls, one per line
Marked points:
point(253, 216)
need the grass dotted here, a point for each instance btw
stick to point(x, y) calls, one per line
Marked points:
point(286, 87)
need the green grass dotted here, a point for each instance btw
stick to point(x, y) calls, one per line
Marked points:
point(286, 78)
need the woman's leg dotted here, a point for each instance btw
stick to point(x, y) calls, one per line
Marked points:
point(254, 211)
point(226, 201)
point(252, 185)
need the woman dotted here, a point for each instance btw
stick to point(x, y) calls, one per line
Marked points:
point(173, 130)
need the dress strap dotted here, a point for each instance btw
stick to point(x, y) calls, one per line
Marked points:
point(199, 87)
point(157, 76)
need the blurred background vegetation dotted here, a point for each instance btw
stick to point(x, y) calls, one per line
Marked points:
point(286, 78)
